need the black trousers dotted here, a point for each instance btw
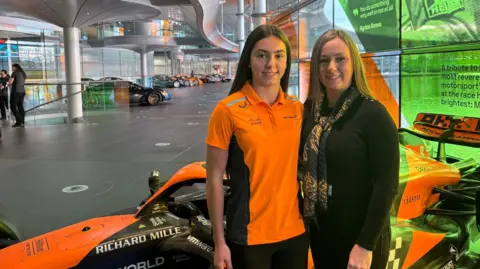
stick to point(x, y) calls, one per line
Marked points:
point(16, 105)
point(288, 254)
point(333, 251)
point(3, 105)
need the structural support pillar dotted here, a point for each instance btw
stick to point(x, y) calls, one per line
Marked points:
point(260, 11)
point(229, 68)
point(252, 24)
point(241, 26)
point(73, 73)
point(143, 67)
point(172, 62)
point(221, 16)
point(9, 57)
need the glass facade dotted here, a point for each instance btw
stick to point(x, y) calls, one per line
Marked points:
point(419, 56)
point(129, 28)
point(38, 51)
point(105, 62)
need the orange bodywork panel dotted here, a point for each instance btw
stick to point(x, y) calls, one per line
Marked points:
point(423, 175)
point(422, 243)
point(186, 173)
point(65, 247)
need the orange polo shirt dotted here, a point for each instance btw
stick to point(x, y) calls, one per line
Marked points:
point(263, 142)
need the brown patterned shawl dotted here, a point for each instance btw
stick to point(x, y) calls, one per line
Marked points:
point(314, 161)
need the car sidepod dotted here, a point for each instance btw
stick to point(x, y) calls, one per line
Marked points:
point(161, 240)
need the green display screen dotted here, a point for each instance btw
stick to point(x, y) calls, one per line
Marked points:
point(439, 22)
point(375, 22)
point(443, 83)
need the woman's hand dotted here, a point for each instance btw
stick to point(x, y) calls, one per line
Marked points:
point(360, 258)
point(222, 257)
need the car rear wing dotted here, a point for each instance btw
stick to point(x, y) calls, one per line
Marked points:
point(449, 129)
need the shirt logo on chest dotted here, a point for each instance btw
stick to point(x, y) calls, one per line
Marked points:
point(244, 105)
point(292, 117)
point(256, 121)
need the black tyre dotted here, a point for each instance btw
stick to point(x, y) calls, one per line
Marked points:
point(9, 232)
point(153, 99)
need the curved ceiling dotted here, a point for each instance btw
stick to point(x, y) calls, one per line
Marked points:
point(79, 13)
point(139, 44)
point(202, 16)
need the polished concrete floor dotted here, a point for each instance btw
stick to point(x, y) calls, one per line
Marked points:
point(112, 155)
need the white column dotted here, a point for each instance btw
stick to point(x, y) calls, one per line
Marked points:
point(172, 62)
point(10, 70)
point(252, 24)
point(9, 53)
point(241, 26)
point(221, 17)
point(259, 13)
point(73, 73)
point(143, 67)
point(229, 68)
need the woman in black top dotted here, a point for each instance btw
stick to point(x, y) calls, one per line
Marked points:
point(17, 81)
point(349, 160)
point(4, 93)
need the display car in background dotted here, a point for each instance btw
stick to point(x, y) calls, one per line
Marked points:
point(435, 222)
point(213, 78)
point(163, 81)
point(181, 81)
point(147, 95)
point(98, 93)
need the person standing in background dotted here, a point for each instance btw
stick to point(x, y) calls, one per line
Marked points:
point(4, 93)
point(17, 81)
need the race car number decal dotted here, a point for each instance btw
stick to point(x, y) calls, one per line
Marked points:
point(37, 246)
point(157, 221)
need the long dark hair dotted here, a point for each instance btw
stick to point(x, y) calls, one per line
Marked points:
point(244, 73)
point(20, 69)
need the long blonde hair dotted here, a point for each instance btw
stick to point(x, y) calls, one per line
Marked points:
point(315, 87)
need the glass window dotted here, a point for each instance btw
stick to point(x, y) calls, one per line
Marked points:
point(111, 63)
point(92, 63)
point(293, 82)
point(314, 20)
point(372, 23)
point(442, 83)
point(439, 22)
point(383, 80)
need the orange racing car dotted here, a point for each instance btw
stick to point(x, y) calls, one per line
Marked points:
point(434, 217)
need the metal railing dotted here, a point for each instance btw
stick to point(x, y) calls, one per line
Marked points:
point(47, 103)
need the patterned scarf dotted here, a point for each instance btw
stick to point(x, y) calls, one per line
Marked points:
point(314, 153)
